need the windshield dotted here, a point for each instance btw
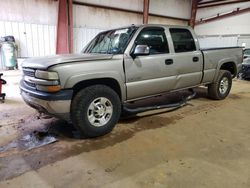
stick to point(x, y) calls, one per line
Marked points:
point(247, 52)
point(111, 42)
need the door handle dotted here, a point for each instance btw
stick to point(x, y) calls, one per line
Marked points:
point(195, 59)
point(169, 61)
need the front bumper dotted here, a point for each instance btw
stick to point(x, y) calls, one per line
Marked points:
point(245, 70)
point(55, 104)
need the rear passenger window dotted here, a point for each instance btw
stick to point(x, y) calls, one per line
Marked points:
point(155, 38)
point(183, 40)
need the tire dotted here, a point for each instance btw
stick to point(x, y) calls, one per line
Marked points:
point(95, 110)
point(221, 88)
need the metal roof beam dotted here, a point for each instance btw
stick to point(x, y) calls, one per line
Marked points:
point(64, 37)
point(222, 3)
point(75, 2)
point(222, 16)
point(209, 2)
point(193, 13)
point(145, 11)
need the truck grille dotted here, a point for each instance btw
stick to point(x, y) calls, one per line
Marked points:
point(30, 73)
point(30, 84)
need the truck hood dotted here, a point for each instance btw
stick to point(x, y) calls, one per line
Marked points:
point(48, 61)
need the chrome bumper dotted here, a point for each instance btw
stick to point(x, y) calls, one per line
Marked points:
point(57, 108)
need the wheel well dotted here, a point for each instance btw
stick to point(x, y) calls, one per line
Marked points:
point(229, 66)
point(110, 82)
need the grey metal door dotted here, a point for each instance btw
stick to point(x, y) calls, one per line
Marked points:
point(151, 74)
point(187, 59)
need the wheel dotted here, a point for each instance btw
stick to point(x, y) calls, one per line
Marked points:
point(221, 88)
point(95, 110)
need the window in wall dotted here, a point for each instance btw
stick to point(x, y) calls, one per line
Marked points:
point(155, 38)
point(182, 39)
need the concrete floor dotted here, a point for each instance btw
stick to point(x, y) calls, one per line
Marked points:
point(204, 144)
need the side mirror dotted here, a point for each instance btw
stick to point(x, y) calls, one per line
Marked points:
point(140, 50)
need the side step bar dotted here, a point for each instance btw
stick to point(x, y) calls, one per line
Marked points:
point(182, 103)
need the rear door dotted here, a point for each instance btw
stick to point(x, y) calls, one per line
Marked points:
point(187, 58)
point(151, 74)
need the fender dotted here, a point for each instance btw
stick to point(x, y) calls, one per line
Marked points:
point(223, 61)
point(73, 80)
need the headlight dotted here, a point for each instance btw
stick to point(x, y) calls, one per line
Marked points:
point(47, 81)
point(46, 75)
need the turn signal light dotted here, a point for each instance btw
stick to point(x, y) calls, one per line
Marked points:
point(53, 88)
point(48, 88)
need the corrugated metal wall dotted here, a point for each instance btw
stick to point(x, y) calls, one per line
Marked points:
point(33, 22)
point(244, 40)
point(39, 40)
point(35, 40)
point(82, 36)
point(223, 41)
point(234, 25)
point(32, 39)
point(213, 41)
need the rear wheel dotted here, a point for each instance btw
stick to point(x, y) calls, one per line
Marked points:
point(221, 88)
point(95, 110)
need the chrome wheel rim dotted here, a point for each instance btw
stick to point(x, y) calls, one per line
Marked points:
point(224, 83)
point(100, 111)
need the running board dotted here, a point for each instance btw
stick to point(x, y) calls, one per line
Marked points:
point(182, 103)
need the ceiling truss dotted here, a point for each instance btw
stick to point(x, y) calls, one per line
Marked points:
point(199, 4)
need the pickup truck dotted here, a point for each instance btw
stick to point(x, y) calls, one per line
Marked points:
point(245, 71)
point(120, 66)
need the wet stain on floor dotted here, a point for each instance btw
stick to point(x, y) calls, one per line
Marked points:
point(69, 144)
point(30, 141)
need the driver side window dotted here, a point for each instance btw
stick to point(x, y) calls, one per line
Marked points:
point(155, 38)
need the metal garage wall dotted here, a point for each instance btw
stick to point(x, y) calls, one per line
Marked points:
point(234, 25)
point(32, 39)
point(32, 23)
point(88, 21)
point(29, 11)
point(218, 41)
point(92, 17)
point(82, 36)
point(174, 8)
point(244, 40)
point(231, 31)
point(224, 41)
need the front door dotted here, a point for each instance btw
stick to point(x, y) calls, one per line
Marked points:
point(151, 74)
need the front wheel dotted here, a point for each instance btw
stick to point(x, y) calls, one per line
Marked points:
point(221, 88)
point(95, 110)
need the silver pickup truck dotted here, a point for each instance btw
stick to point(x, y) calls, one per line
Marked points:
point(123, 65)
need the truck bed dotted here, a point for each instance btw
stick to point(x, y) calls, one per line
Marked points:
point(213, 58)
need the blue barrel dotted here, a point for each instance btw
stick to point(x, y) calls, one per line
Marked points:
point(8, 54)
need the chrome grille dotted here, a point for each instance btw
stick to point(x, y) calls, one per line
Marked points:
point(30, 84)
point(29, 72)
